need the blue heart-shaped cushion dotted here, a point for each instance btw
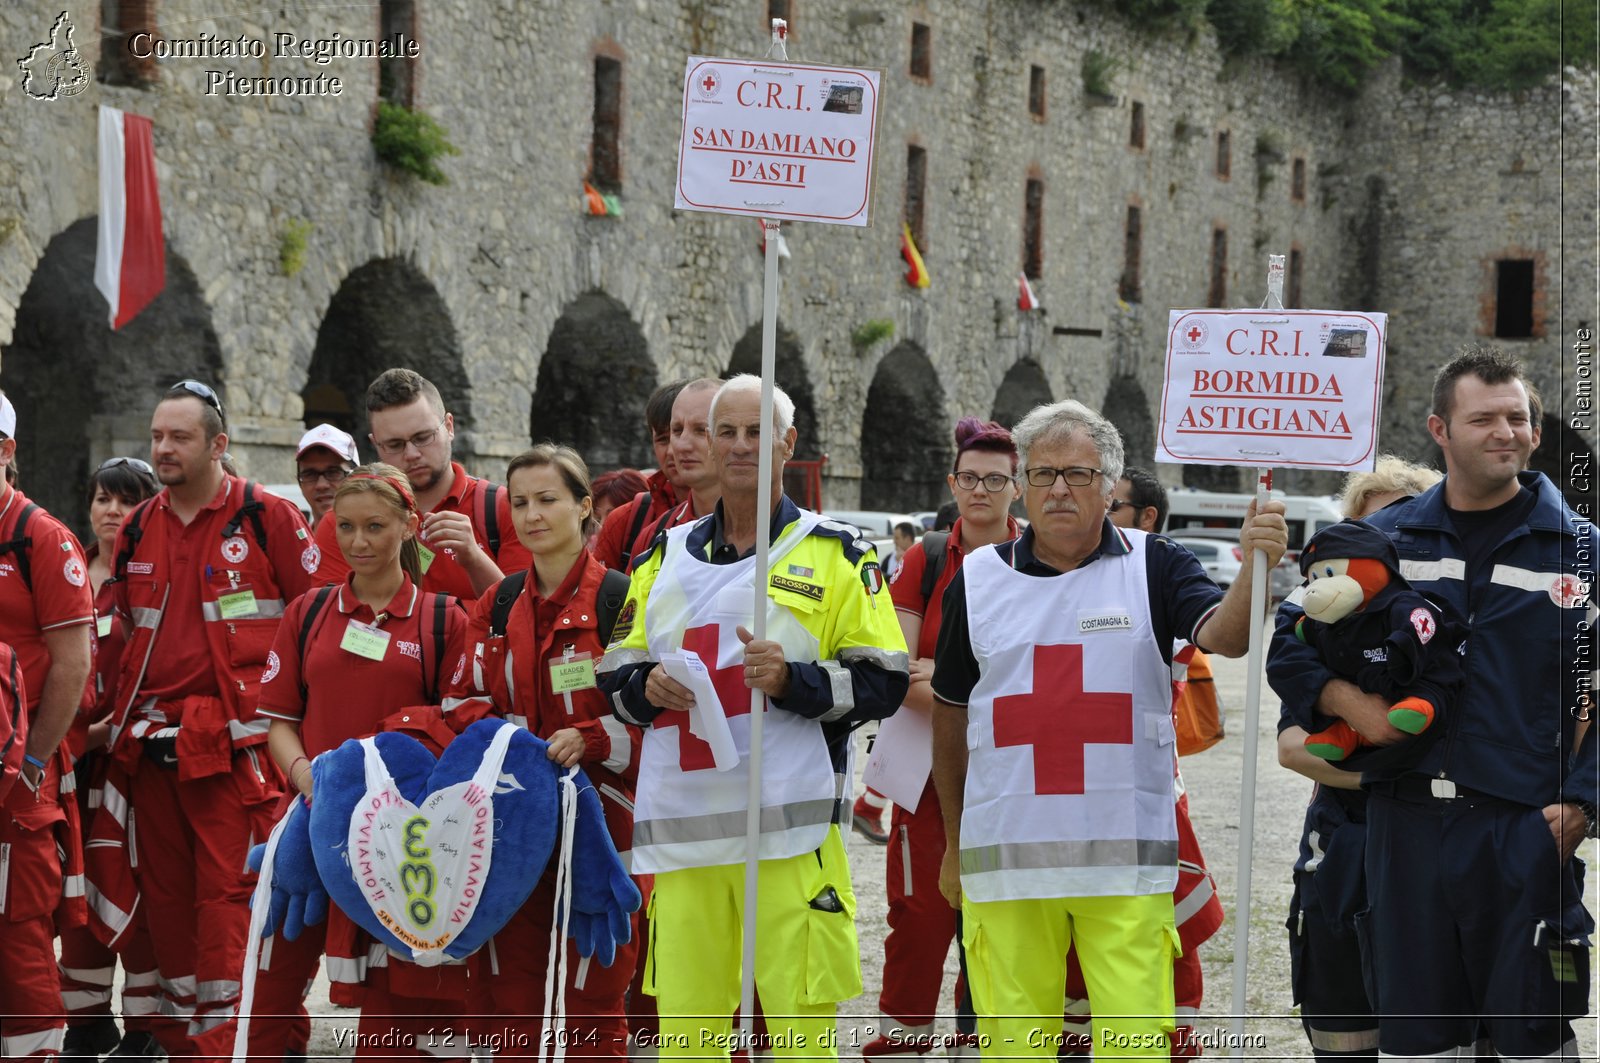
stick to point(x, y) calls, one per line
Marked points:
point(525, 821)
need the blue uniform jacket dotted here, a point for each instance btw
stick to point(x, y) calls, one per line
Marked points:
point(1530, 649)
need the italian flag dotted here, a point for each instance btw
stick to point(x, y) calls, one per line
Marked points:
point(1026, 300)
point(130, 264)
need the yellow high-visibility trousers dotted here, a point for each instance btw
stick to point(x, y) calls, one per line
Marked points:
point(1017, 957)
point(807, 957)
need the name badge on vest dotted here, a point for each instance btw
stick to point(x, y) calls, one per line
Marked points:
point(1103, 622)
point(365, 640)
point(426, 556)
point(572, 673)
point(102, 626)
point(238, 604)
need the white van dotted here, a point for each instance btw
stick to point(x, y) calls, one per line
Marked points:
point(1306, 514)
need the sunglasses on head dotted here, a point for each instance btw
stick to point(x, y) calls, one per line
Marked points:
point(203, 392)
point(137, 464)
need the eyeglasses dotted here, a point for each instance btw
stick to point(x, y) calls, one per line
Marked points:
point(1076, 476)
point(334, 475)
point(1118, 505)
point(133, 463)
point(200, 391)
point(422, 441)
point(995, 481)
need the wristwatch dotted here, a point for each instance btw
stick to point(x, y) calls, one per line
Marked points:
point(1591, 822)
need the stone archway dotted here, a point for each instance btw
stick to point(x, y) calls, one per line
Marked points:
point(789, 373)
point(1125, 406)
point(385, 315)
point(84, 393)
point(1023, 388)
point(905, 434)
point(594, 380)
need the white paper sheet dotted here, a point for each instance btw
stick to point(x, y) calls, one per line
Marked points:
point(707, 720)
point(901, 758)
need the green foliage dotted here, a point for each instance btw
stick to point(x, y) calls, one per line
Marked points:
point(411, 141)
point(871, 332)
point(1098, 70)
point(1500, 45)
point(292, 246)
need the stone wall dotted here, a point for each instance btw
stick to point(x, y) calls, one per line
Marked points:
point(1411, 194)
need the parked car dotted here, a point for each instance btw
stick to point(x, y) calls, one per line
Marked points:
point(874, 523)
point(1282, 580)
point(1221, 561)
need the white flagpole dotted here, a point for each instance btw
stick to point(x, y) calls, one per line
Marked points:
point(758, 626)
point(1252, 726)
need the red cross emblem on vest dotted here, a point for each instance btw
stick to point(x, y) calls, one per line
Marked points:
point(694, 753)
point(1058, 718)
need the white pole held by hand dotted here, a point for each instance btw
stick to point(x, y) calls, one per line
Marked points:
point(758, 626)
point(1252, 726)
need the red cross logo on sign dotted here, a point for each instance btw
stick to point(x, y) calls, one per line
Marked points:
point(1058, 718)
point(1194, 334)
point(694, 753)
point(709, 83)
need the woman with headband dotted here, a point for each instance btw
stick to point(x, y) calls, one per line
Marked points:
point(346, 658)
point(534, 642)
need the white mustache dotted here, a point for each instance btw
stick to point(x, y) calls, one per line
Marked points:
point(1060, 507)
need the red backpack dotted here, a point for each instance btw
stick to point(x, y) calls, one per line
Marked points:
point(13, 720)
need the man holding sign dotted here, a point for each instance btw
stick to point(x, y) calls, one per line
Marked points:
point(1058, 793)
point(833, 658)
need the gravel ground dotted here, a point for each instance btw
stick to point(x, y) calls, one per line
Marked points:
point(1214, 779)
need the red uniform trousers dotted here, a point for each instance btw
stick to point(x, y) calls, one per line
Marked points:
point(32, 1018)
point(193, 837)
point(278, 1020)
point(509, 999)
point(87, 966)
point(921, 922)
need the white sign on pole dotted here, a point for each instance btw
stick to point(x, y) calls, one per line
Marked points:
point(777, 140)
point(1290, 389)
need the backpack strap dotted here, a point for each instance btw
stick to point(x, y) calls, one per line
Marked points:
point(132, 532)
point(319, 599)
point(490, 517)
point(934, 555)
point(441, 605)
point(641, 510)
point(252, 509)
point(613, 592)
point(505, 596)
point(21, 544)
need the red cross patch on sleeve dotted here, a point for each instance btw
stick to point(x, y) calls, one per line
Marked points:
point(1422, 621)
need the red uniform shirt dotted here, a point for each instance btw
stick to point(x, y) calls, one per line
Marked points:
point(346, 694)
point(609, 544)
point(60, 596)
point(180, 662)
point(906, 587)
point(442, 575)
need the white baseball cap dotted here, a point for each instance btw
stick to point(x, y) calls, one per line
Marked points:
point(8, 418)
point(325, 435)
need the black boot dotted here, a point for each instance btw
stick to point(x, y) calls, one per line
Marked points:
point(138, 1046)
point(91, 1039)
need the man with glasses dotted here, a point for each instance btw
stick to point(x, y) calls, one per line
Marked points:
point(202, 572)
point(324, 458)
point(46, 609)
point(468, 544)
point(1058, 812)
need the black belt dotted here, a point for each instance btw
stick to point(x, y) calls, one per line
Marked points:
point(1422, 788)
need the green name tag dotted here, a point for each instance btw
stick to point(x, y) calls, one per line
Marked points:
point(102, 626)
point(1562, 965)
point(364, 640)
point(427, 557)
point(574, 674)
point(240, 605)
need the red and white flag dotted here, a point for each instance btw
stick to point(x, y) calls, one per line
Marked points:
point(130, 262)
point(1026, 300)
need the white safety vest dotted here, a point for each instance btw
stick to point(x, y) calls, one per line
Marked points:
point(1069, 787)
point(696, 818)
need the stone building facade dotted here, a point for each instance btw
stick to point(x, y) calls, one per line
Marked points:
point(538, 320)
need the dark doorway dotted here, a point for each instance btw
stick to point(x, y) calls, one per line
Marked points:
point(1023, 388)
point(594, 380)
point(906, 443)
point(386, 314)
point(1125, 407)
point(84, 393)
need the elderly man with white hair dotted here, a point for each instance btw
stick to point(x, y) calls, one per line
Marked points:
point(833, 657)
point(1054, 747)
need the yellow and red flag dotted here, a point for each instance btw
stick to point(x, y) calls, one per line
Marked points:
point(917, 274)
